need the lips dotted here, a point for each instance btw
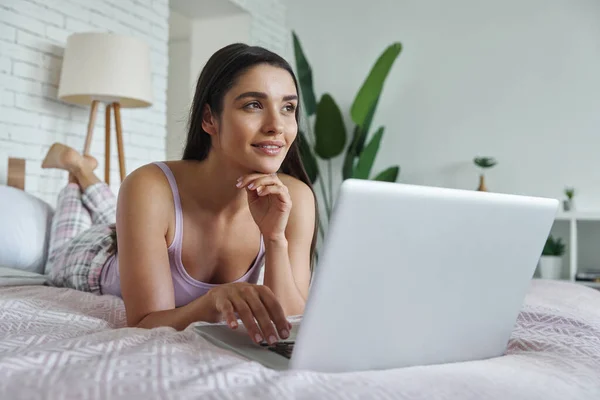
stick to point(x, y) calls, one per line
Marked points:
point(269, 144)
point(269, 147)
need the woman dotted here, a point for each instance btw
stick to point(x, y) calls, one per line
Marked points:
point(191, 235)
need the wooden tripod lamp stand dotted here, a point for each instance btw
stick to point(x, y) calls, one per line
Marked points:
point(111, 69)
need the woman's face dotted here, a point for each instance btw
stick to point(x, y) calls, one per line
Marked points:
point(258, 123)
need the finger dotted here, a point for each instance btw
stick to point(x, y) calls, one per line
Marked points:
point(243, 181)
point(273, 189)
point(275, 311)
point(284, 198)
point(252, 195)
point(225, 308)
point(264, 180)
point(262, 316)
point(245, 313)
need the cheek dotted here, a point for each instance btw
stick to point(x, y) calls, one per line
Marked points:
point(235, 135)
point(291, 130)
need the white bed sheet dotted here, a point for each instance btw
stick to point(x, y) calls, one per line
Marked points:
point(59, 343)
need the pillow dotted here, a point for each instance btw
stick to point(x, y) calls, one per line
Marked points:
point(25, 222)
point(15, 277)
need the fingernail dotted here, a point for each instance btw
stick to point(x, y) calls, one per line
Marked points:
point(258, 338)
point(239, 184)
point(250, 186)
point(233, 324)
point(284, 333)
point(258, 190)
point(272, 339)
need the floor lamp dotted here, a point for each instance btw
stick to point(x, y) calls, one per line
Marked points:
point(111, 69)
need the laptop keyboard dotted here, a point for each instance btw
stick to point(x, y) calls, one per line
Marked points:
point(282, 348)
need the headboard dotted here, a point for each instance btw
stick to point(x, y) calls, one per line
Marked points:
point(16, 173)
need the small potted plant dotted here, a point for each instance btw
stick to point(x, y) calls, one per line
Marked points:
point(568, 204)
point(483, 163)
point(551, 259)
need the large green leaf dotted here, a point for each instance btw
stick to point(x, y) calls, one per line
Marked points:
point(307, 156)
point(358, 142)
point(388, 175)
point(367, 157)
point(373, 85)
point(366, 126)
point(305, 78)
point(351, 154)
point(330, 130)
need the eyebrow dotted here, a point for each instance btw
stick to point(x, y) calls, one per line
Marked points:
point(262, 95)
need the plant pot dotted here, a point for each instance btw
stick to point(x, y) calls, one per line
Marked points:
point(568, 205)
point(551, 267)
point(482, 187)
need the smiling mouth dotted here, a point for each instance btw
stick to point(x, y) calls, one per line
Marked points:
point(267, 146)
point(268, 149)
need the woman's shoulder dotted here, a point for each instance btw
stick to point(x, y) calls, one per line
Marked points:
point(298, 190)
point(147, 181)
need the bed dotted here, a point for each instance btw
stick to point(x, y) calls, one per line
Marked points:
point(61, 343)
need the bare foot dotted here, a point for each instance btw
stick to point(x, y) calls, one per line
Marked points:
point(63, 157)
point(81, 168)
point(91, 162)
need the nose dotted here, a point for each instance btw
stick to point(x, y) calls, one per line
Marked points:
point(273, 124)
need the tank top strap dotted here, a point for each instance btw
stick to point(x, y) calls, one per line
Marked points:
point(177, 240)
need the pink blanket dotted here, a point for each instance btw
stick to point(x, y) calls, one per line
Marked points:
point(60, 343)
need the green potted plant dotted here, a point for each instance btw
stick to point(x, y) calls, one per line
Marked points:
point(568, 204)
point(325, 141)
point(551, 259)
point(483, 163)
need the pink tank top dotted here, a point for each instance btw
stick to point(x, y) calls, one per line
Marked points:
point(185, 287)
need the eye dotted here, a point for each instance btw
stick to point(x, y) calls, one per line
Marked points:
point(253, 105)
point(290, 107)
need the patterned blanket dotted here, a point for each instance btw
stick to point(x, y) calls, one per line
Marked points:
point(60, 343)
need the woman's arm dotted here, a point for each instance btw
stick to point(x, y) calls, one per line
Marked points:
point(283, 207)
point(144, 207)
point(142, 224)
point(287, 259)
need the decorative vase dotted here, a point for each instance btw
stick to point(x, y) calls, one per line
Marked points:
point(482, 187)
point(551, 267)
point(568, 205)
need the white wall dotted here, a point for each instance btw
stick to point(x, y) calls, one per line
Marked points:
point(268, 24)
point(198, 30)
point(191, 44)
point(178, 98)
point(33, 34)
point(211, 34)
point(178, 83)
point(512, 79)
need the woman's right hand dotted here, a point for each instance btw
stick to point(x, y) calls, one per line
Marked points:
point(251, 302)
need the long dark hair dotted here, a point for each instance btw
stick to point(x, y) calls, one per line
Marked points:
point(217, 77)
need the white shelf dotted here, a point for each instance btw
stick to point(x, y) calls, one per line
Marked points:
point(595, 285)
point(578, 216)
point(572, 218)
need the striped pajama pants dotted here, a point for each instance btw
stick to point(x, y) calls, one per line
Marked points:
point(80, 237)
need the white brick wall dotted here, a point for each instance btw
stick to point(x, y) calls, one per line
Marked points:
point(33, 34)
point(268, 28)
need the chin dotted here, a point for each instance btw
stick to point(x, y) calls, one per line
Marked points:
point(265, 166)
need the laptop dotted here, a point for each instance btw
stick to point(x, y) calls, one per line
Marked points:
point(410, 275)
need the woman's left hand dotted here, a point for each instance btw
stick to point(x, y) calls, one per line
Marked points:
point(270, 203)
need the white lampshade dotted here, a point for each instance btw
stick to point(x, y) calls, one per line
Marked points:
point(106, 67)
